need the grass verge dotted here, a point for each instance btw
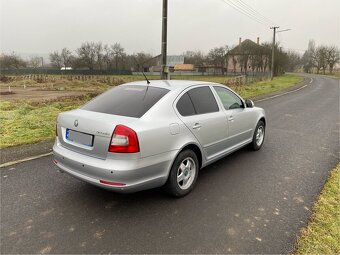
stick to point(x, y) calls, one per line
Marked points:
point(25, 122)
point(268, 86)
point(28, 122)
point(322, 235)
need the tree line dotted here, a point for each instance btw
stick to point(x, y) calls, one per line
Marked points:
point(320, 58)
point(247, 55)
point(95, 55)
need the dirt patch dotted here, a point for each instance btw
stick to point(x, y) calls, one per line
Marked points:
point(35, 94)
point(6, 93)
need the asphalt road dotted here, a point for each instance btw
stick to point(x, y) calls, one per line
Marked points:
point(249, 202)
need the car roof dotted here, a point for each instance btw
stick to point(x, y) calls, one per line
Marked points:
point(170, 84)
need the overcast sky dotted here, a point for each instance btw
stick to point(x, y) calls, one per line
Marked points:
point(42, 26)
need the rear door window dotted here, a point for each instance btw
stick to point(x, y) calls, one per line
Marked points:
point(203, 100)
point(185, 106)
point(131, 101)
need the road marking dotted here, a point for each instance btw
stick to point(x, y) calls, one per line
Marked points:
point(50, 153)
point(295, 90)
point(24, 160)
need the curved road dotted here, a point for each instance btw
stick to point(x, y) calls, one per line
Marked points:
point(248, 202)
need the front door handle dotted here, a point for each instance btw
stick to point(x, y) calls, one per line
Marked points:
point(197, 126)
point(231, 118)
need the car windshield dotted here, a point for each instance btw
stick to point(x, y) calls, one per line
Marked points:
point(131, 101)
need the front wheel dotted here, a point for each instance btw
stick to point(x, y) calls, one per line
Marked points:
point(183, 174)
point(258, 137)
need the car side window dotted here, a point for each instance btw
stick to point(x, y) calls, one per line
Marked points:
point(228, 98)
point(185, 106)
point(203, 100)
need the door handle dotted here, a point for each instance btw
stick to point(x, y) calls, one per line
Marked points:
point(231, 118)
point(197, 126)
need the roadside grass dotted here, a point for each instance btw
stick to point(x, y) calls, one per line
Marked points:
point(25, 122)
point(322, 235)
point(267, 86)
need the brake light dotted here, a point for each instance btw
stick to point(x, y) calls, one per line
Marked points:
point(124, 140)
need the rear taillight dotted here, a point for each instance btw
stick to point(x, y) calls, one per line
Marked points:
point(124, 140)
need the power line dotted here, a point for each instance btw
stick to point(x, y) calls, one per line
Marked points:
point(251, 9)
point(244, 12)
point(237, 8)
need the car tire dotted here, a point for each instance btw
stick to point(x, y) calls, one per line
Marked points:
point(183, 174)
point(258, 137)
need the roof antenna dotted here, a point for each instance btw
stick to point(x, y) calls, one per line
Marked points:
point(146, 78)
point(147, 87)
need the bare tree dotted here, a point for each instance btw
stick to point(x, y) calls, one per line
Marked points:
point(56, 59)
point(99, 54)
point(119, 54)
point(107, 56)
point(218, 57)
point(87, 54)
point(234, 62)
point(308, 58)
point(293, 61)
point(196, 58)
point(11, 61)
point(35, 61)
point(332, 57)
point(320, 58)
point(66, 56)
point(141, 61)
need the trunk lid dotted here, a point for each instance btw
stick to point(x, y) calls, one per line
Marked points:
point(88, 132)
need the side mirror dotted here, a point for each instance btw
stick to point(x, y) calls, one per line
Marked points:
point(249, 103)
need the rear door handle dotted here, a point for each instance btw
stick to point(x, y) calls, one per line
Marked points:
point(197, 126)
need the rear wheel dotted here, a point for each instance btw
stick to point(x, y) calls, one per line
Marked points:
point(183, 174)
point(258, 137)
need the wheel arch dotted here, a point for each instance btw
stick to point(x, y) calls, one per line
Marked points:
point(196, 149)
point(264, 120)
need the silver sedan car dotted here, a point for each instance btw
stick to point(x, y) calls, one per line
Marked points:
point(139, 136)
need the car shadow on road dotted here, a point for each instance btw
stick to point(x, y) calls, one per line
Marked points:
point(216, 173)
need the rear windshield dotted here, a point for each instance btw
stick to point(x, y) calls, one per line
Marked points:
point(130, 101)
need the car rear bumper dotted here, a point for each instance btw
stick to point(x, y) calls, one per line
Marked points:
point(129, 175)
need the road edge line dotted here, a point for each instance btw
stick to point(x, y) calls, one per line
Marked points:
point(25, 159)
point(288, 92)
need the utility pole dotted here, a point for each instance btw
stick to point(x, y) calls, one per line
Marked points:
point(164, 74)
point(273, 51)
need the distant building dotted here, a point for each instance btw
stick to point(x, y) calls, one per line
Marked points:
point(171, 61)
point(248, 56)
